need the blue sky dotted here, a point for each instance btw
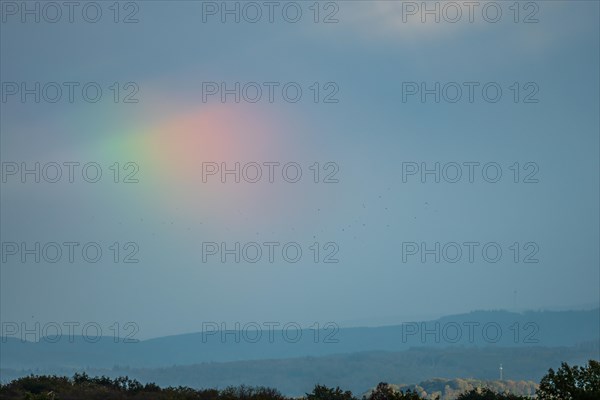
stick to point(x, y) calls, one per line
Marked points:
point(369, 133)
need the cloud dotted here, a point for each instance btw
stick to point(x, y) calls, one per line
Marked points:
point(409, 20)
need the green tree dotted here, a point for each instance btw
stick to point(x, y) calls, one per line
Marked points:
point(487, 394)
point(383, 391)
point(324, 393)
point(571, 383)
point(244, 392)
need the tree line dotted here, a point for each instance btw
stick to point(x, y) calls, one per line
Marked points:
point(566, 383)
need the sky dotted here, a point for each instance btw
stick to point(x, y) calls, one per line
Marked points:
point(335, 182)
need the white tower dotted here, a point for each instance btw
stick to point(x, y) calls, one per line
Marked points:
point(500, 371)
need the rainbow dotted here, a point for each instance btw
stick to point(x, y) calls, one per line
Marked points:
point(170, 154)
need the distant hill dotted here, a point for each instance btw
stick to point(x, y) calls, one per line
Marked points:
point(357, 372)
point(476, 329)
